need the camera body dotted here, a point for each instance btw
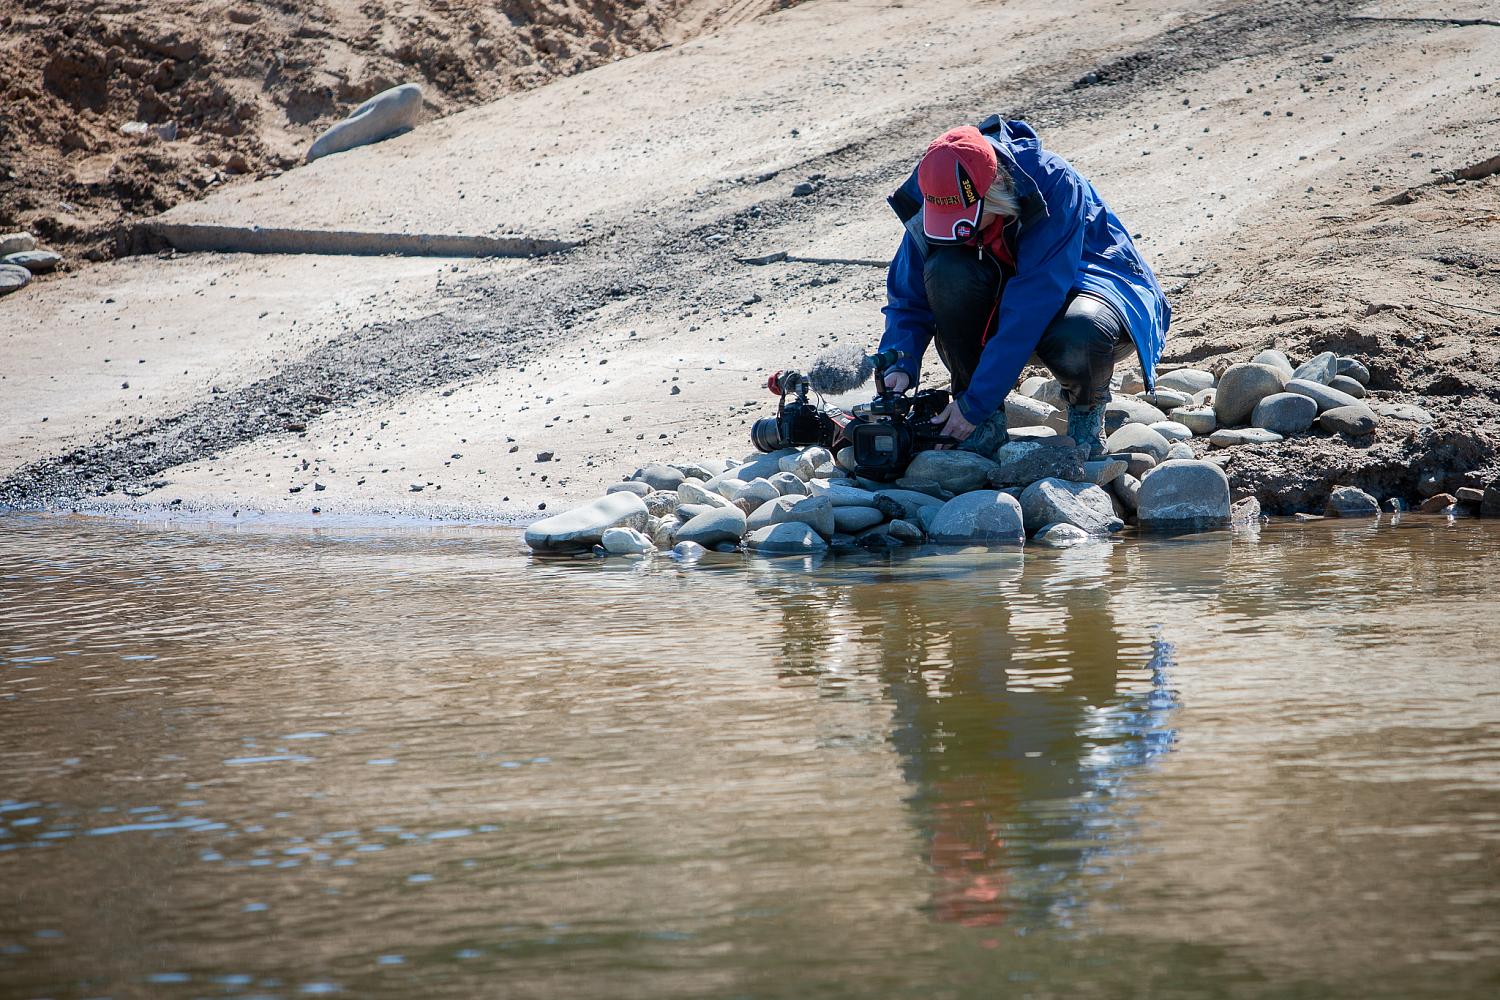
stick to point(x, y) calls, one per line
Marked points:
point(797, 423)
point(885, 433)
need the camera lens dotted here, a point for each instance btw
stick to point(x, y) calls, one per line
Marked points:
point(765, 434)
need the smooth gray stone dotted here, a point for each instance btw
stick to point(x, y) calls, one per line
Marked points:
point(582, 528)
point(1353, 387)
point(1042, 433)
point(1166, 400)
point(1185, 493)
point(35, 261)
point(1325, 396)
point(1273, 358)
point(1188, 380)
point(626, 542)
point(815, 512)
point(1132, 382)
point(388, 113)
point(1172, 430)
point(755, 492)
point(639, 489)
point(688, 551)
point(1137, 463)
point(1200, 420)
point(688, 511)
point(1179, 450)
point(661, 503)
point(1048, 390)
point(1355, 369)
point(1138, 437)
point(713, 527)
point(1320, 369)
point(1021, 463)
point(1122, 410)
point(1355, 421)
point(16, 243)
point(953, 470)
point(801, 465)
point(1351, 501)
point(659, 477)
point(788, 484)
point(980, 517)
point(842, 495)
point(771, 512)
point(906, 532)
point(1240, 388)
point(1229, 437)
point(925, 517)
point(786, 538)
point(1083, 505)
point(1023, 411)
point(1062, 535)
point(852, 520)
point(1402, 411)
point(690, 491)
point(1285, 413)
point(760, 466)
point(13, 279)
point(1127, 490)
point(1104, 471)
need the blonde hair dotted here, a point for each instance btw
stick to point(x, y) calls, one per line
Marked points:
point(1001, 197)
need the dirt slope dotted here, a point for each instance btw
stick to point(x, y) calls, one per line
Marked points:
point(1264, 150)
point(247, 86)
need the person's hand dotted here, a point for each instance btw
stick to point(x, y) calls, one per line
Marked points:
point(955, 424)
point(897, 381)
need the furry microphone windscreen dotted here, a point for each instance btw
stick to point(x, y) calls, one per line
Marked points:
point(840, 369)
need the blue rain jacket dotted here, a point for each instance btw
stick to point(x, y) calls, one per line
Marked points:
point(1066, 238)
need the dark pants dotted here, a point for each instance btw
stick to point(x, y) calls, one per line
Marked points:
point(1080, 346)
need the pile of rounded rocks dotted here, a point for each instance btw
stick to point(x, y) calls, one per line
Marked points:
point(20, 259)
point(1039, 486)
point(1256, 402)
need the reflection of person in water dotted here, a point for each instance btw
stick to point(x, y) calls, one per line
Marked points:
point(1011, 733)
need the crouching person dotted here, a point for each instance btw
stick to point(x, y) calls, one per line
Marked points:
point(1010, 252)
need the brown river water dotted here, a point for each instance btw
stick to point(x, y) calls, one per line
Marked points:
point(416, 762)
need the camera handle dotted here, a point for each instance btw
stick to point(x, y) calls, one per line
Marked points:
point(884, 362)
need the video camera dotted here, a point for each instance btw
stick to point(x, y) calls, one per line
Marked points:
point(885, 433)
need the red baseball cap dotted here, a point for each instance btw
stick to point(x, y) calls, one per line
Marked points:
point(955, 172)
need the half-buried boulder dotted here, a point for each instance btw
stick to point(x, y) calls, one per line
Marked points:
point(388, 113)
point(787, 538)
point(1083, 505)
point(582, 528)
point(712, 527)
point(1351, 501)
point(1183, 495)
point(981, 517)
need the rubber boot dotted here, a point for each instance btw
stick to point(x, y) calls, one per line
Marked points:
point(1086, 428)
point(989, 436)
